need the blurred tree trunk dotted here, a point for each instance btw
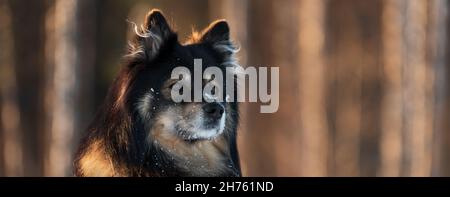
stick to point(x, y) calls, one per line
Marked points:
point(392, 107)
point(87, 49)
point(417, 93)
point(71, 44)
point(10, 133)
point(437, 30)
point(372, 89)
point(28, 19)
point(274, 43)
point(346, 78)
point(313, 139)
point(354, 86)
point(2, 136)
point(4, 23)
point(411, 62)
point(443, 82)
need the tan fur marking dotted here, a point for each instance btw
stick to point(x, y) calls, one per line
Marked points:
point(96, 163)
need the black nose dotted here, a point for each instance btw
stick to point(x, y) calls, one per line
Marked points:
point(213, 110)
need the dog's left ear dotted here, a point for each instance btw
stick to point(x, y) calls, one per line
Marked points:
point(217, 31)
point(218, 35)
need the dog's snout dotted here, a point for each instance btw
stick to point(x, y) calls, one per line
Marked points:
point(213, 110)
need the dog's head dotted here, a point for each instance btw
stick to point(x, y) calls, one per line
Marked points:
point(142, 130)
point(154, 54)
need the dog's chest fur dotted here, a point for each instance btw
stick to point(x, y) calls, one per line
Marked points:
point(173, 157)
point(201, 158)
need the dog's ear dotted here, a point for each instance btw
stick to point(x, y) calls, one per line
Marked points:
point(156, 23)
point(218, 35)
point(152, 36)
point(217, 31)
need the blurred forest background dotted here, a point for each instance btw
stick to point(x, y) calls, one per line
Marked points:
point(364, 90)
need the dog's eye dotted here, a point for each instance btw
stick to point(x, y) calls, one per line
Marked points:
point(171, 83)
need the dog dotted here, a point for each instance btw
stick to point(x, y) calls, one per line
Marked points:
point(140, 131)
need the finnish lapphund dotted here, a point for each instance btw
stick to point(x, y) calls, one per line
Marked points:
point(140, 131)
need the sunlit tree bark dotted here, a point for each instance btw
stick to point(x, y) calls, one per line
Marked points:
point(313, 139)
point(411, 55)
point(392, 107)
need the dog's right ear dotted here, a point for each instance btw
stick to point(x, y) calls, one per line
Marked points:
point(156, 23)
point(151, 37)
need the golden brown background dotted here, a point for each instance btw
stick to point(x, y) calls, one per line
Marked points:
point(364, 84)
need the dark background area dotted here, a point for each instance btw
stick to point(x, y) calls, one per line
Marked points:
point(364, 85)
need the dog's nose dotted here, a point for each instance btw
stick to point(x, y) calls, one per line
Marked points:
point(213, 110)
